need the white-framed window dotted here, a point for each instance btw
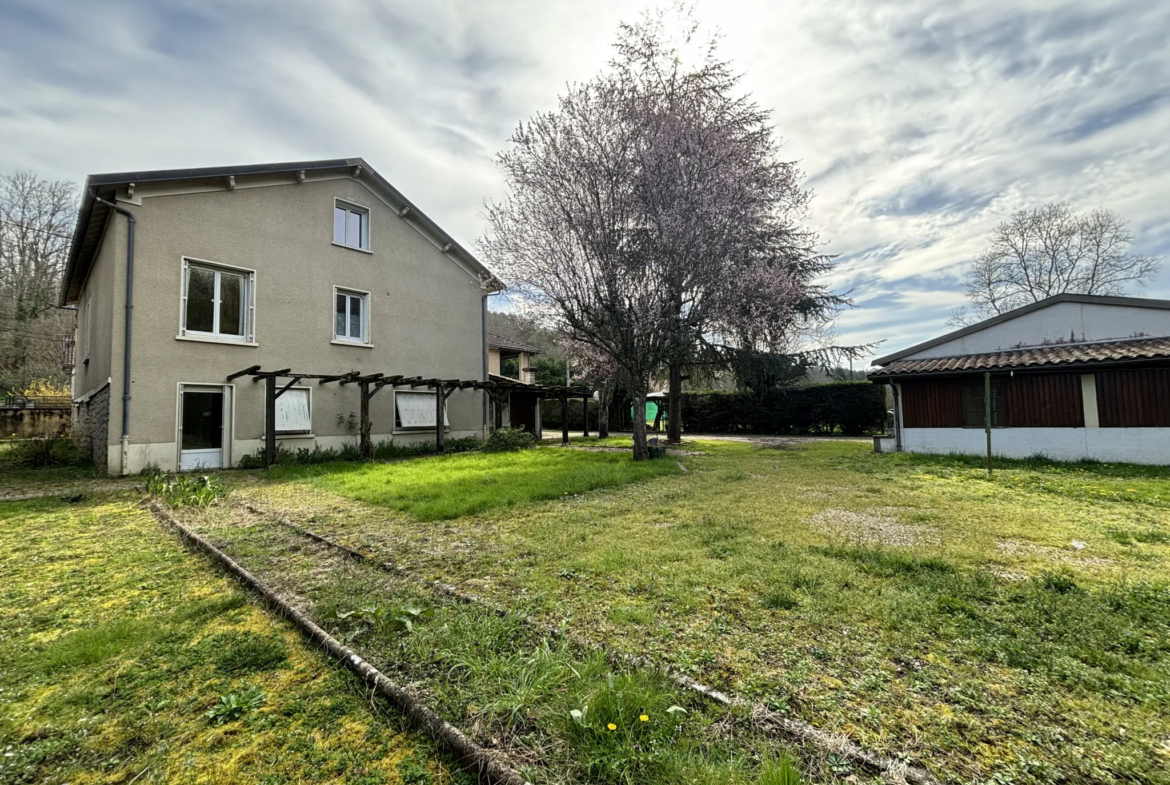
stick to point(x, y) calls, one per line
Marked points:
point(416, 411)
point(218, 301)
point(294, 411)
point(351, 225)
point(351, 315)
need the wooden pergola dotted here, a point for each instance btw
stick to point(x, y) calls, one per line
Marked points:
point(371, 384)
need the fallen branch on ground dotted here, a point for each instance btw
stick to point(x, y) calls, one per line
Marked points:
point(896, 770)
point(466, 752)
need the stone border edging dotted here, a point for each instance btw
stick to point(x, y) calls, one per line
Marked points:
point(466, 752)
point(897, 770)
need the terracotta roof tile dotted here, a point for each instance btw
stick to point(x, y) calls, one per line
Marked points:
point(1106, 351)
point(497, 341)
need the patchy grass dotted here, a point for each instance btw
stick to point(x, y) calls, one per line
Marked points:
point(1015, 627)
point(441, 488)
point(125, 658)
point(561, 715)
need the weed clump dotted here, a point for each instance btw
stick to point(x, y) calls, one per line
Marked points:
point(44, 451)
point(235, 705)
point(509, 440)
point(182, 490)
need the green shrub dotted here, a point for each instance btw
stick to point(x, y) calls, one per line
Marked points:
point(45, 451)
point(184, 490)
point(509, 440)
point(385, 450)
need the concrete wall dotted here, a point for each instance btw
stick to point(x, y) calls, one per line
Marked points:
point(425, 312)
point(27, 423)
point(1059, 323)
point(103, 291)
point(1114, 445)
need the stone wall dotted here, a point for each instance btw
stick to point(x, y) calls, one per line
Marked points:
point(28, 423)
point(91, 427)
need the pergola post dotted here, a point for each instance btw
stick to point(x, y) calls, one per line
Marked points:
point(269, 421)
point(365, 447)
point(440, 400)
point(564, 420)
point(585, 414)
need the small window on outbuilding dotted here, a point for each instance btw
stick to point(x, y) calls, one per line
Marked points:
point(351, 225)
point(974, 408)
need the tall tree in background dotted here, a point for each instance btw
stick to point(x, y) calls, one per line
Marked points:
point(36, 219)
point(1050, 250)
point(650, 209)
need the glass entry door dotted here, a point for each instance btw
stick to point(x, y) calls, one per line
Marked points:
point(201, 421)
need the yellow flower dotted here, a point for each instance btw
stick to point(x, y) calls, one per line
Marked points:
point(611, 726)
point(644, 718)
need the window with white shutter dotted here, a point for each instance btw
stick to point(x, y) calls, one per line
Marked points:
point(294, 411)
point(416, 410)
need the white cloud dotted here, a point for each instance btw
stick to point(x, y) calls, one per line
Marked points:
point(919, 124)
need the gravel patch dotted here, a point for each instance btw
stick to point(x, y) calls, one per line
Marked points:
point(873, 528)
point(1069, 556)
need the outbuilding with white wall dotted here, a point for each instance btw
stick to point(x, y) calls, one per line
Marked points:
point(1071, 377)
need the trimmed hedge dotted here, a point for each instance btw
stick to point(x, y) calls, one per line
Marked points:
point(849, 408)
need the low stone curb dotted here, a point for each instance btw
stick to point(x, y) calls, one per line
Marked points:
point(897, 770)
point(466, 752)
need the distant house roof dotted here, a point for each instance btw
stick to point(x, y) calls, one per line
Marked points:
point(92, 217)
point(1136, 349)
point(1090, 299)
point(497, 341)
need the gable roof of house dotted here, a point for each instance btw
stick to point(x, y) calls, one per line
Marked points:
point(497, 341)
point(93, 215)
point(1091, 299)
point(1128, 350)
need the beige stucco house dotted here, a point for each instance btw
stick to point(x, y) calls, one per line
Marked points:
point(319, 266)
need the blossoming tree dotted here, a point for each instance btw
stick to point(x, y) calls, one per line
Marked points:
point(650, 214)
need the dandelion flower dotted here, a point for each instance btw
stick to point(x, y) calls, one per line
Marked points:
point(644, 717)
point(611, 726)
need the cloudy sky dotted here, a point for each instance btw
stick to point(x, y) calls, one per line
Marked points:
point(919, 124)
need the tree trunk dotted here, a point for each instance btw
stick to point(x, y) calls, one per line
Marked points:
point(674, 406)
point(639, 416)
point(603, 412)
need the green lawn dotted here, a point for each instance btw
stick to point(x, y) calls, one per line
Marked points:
point(1015, 627)
point(116, 642)
point(431, 489)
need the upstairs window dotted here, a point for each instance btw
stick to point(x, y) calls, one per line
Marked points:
point(975, 410)
point(351, 225)
point(217, 301)
point(351, 316)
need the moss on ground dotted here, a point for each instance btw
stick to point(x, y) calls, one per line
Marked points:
point(115, 643)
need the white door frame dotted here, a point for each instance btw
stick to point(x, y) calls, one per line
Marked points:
point(215, 459)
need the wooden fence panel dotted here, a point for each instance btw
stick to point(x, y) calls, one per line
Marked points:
point(1134, 399)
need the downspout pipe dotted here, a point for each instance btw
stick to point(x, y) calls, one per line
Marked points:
point(483, 343)
point(125, 467)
